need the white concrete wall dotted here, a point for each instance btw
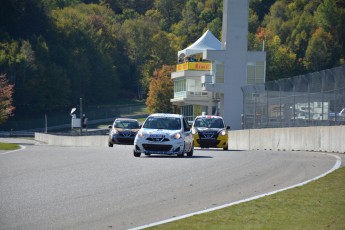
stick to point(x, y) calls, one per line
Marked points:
point(321, 138)
point(86, 141)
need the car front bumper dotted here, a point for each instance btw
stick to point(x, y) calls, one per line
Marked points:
point(172, 147)
point(117, 139)
point(219, 142)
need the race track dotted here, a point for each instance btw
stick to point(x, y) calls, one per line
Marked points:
point(52, 187)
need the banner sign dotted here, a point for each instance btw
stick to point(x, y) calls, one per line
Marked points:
point(193, 66)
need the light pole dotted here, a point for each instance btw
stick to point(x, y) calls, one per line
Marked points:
point(81, 115)
point(46, 123)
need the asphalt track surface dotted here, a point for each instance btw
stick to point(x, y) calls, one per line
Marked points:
point(54, 187)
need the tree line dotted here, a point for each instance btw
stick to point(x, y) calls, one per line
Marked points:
point(54, 52)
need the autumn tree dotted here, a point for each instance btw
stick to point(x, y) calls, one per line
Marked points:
point(281, 59)
point(6, 91)
point(161, 90)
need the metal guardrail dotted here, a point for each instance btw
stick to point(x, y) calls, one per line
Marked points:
point(17, 134)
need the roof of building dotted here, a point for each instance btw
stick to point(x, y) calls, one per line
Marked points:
point(206, 42)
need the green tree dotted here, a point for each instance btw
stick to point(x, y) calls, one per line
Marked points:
point(100, 49)
point(164, 49)
point(301, 34)
point(171, 12)
point(322, 52)
point(91, 50)
point(327, 15)
point(278, 20)
point(137, 36)
point(18, 61)
point(253, 22)
point(188, 28)
point(47, 88)
point(119, 6)
point(212, 15)
point(23, 18)
point(330, 16)
point(261, 7)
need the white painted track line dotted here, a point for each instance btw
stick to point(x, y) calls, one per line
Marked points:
point(12, 151)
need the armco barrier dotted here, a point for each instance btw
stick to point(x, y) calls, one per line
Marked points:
point(320, 138)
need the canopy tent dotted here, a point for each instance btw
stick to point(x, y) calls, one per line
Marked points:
point(206, 42)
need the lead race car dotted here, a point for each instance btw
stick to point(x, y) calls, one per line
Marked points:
point(163, 133)
point(210, 132)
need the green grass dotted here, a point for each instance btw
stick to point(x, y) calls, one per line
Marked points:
point(8, 146)
point(317, 205)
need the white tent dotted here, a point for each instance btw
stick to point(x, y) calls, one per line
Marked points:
point(206, 42)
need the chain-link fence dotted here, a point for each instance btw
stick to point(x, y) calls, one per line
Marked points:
point(315, 99)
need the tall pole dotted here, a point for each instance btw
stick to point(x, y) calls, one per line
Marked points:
point(81, 116)
point(46, 123)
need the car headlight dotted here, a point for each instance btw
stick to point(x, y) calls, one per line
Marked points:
point(194, 131)
point(141, 134)
point(176, 136)
point(222, 133)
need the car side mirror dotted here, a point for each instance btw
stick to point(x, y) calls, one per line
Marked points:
point(187, 129)
point(228, 127)
point(110, 126)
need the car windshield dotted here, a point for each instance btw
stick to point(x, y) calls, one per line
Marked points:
point(126, 124)
point(170, 123)
point(209, 123)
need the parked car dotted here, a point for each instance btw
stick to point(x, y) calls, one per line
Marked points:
point(210, 132)
point(167, 134)
point(123, 131)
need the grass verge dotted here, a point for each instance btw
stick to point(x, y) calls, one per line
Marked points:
point(8, 146)
point(317, 205)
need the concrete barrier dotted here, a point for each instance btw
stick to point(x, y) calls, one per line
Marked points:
point(99, 140)
point(319, 138)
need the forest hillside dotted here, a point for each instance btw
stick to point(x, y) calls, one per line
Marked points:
point(57, 51)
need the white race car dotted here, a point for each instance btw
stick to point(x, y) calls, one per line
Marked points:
point(164, 133)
